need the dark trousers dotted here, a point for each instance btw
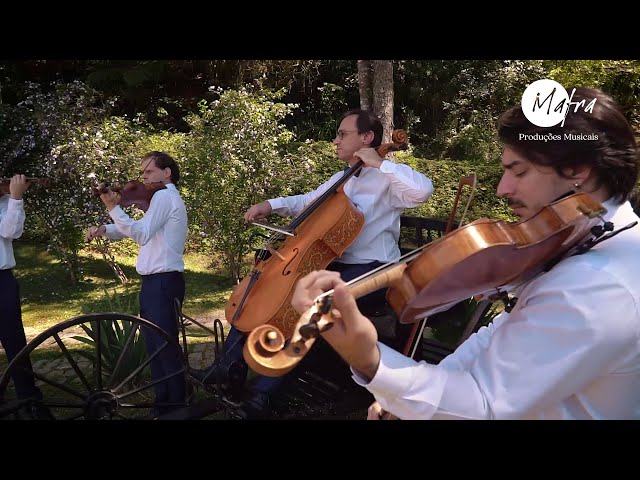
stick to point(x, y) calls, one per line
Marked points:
point(368, 304)
point(157, 305)
point(12, 334)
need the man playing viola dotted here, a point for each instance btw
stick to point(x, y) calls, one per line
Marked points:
point(161, 234)
point(12, 336)
point(570, 347)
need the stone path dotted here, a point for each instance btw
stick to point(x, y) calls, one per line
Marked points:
point(202, 349)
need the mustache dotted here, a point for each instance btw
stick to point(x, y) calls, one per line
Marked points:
point(514, 202)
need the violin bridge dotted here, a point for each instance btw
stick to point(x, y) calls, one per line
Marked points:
point(273, 251)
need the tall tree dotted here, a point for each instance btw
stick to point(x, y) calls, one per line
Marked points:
point(375, 81)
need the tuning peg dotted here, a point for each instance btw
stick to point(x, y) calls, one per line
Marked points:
point(310, 330)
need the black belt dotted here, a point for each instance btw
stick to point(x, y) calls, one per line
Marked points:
point(161, 273)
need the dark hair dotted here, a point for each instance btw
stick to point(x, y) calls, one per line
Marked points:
point(163, 160)
point(613, 155)
point(367, 121)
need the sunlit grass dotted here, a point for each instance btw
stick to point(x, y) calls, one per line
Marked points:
point(48, 297)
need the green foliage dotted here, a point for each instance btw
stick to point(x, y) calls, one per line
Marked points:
point(232, 160)
point(456, 102)
point(619, 78)
point(309, 164)
point(113, 339)
point(117, 301)
point(476, 141)
point(65, 134)
point(47, 126)
point(445, 175)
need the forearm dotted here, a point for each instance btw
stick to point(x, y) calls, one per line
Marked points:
point(112, 232)
point(295, 204)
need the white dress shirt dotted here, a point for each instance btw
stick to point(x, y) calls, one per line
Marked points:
point(381, 194)
point(11, 227)
point(161, 232)
point(570, 349)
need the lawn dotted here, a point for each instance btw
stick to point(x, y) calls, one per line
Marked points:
point(48, 297)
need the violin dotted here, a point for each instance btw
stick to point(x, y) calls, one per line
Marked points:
point(321, 233)
point(134, 192)
point(483, 258)
point(4, 183)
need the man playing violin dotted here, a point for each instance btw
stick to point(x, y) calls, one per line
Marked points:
point(570, 347)
point(161, 234)
point(12, 334)
point(381, 190)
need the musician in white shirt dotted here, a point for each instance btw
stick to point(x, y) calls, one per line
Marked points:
point(570, 347)
point(381, 190)
point(12, 334)
point(161, 234)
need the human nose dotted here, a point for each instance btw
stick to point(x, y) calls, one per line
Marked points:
point(505, 187)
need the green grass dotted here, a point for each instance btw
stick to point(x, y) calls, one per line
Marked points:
point(48, 297)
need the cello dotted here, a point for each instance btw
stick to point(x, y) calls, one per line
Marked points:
point(484, 258)
point(321, 233)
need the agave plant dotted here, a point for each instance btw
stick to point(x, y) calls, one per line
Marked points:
point(114, 337)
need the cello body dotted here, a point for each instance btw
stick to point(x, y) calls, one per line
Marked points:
point(321, 234)
point(318, 240)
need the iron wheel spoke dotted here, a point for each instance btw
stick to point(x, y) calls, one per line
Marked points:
point(72, 362)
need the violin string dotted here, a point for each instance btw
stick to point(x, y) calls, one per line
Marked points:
point(387, 266)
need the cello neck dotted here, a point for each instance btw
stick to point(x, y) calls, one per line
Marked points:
point(320, 200)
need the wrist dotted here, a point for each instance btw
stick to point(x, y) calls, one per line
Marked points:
point(369, 367)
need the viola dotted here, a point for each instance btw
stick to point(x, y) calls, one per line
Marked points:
point(483, 258)
point(134, 192)
point(320, 234)
point(4, 183)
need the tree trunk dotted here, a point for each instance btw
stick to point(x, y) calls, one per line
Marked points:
point(375, 82)
point(365, 83)
point(383, 96)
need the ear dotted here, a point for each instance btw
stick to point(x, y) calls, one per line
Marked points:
point(167, 173)
point(368, 138)
point(578, 174)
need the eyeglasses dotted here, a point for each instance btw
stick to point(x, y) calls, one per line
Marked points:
point(341, 133)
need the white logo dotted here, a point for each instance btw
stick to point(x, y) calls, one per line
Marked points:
point(546, 103)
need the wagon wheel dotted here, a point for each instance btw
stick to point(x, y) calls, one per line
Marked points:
point(94, 366)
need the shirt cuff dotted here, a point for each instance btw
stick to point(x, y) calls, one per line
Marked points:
point(276, 203)
point(13, 203)
point(110, 229)
point(405, 387)
point(389, 371)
